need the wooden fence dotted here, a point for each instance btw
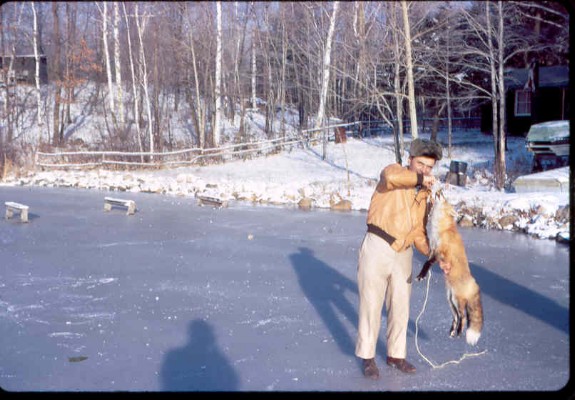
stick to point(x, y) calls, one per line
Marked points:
point(185, 157)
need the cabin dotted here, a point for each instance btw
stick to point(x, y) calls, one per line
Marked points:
point(23, 69)
point(533, 95)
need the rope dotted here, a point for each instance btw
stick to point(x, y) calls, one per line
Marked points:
point(466, 355)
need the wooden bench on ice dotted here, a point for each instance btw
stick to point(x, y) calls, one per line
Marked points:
point(111, 201)
point(21, 208)
point(211, 201)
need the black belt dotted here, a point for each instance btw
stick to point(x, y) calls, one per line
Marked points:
point(381, 233)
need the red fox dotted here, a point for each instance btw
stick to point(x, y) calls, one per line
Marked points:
point(463, 294)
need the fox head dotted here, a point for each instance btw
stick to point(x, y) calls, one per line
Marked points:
point(442, 213)
point(436, 194)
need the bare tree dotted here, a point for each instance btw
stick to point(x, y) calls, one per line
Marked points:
point(409, 70)
point(117, 67)
point(326, 66)
point(254, 72)
point(104, 14)
point(70, 74)
point(141, 22)
point(135, 91)
point(218, 87)
point(58, 135)
point(500, 167)
point(35, 44)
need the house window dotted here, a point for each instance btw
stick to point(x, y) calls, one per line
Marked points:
point(522, 103)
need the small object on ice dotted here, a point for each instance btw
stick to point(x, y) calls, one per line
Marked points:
point(21, 208)
point(250, 237)
point(111, 201)
point(77, 359)
point(211, 201)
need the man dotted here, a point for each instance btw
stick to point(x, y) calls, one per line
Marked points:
point(396, 221)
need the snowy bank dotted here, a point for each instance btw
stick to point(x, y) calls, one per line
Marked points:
point(345, 179)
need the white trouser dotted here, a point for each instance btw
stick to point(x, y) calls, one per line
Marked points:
point(383, 274)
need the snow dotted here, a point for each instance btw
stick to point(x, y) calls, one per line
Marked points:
point(298, 172)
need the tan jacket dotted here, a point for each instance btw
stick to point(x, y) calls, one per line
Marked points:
point(398, 210)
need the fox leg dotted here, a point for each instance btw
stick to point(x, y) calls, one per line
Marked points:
point(426, 266)
point(462, 311)
point(456, 324)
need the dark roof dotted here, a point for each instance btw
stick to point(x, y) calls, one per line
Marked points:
point(556, 76)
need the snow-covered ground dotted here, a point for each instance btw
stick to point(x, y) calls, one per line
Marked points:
point(349, 172)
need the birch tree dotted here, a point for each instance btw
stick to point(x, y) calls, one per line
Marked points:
point(325, 76)
point(104, 14)
point(218, 77)
point(409, 71)
point(57, 137)
point(501, 169)
point(200, 110)
point(117, 67)
point(135, 91)
point(141, 22)
point(71, 57)
point(326, 65)
point(397, 85)
point(35, 44)
point(254, 70)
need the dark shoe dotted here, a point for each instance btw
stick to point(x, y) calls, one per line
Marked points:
point(401, 364)
point(370, 369)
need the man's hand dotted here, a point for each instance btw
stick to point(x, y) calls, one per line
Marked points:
point(445, 267)
point(428, 181)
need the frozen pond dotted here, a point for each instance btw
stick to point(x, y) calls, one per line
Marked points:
point(182, 297)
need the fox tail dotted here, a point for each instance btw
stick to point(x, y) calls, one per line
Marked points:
point(475, 318)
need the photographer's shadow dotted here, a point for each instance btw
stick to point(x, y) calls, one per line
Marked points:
point(199, 365)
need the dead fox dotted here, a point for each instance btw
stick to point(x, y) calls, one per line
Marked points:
point(463, 294)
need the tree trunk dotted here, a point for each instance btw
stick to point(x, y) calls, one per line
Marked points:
point(117, 68)
point(218, 78)
point(448, 98)
point(199, 110)
point(500, 156)
point(57, 95)
point(397, 88)
point(107, 58)
point(325, 76)
point(144, 75)
point(435, 124)
point(135, 90)
point(283, 79)
point(71, 12)
point(37, 62)
point(495, 119)
point(254, 72)
point(409, 67)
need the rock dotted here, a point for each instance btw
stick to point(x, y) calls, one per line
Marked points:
point(562, 214)
point(305, 203)
point(342, 205)
point(466, 221)
point(508, 221)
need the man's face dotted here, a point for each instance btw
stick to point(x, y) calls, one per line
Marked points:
point(421, 165)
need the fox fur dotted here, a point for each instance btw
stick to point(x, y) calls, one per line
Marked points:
point(463, 293)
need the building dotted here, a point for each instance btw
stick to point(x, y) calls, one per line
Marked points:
point(23, 69)
point(533, 95)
